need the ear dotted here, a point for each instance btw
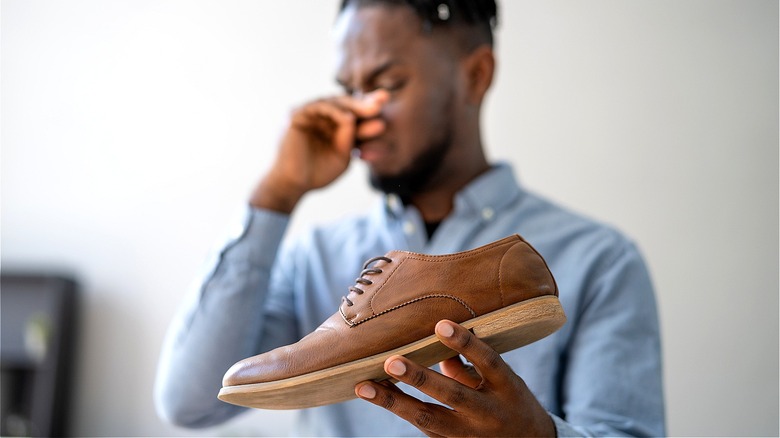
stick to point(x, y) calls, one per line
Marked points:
point(479, 66)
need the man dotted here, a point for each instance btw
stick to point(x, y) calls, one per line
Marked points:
point(415, 74)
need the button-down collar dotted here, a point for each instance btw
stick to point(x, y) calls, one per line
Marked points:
point(486, 196)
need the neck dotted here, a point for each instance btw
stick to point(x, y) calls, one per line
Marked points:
point(436, 203)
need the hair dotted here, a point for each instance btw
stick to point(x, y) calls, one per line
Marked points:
point(478, 17)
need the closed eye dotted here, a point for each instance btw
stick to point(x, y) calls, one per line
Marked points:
point(393, 86)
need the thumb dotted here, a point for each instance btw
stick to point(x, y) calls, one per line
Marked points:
point(456, 370)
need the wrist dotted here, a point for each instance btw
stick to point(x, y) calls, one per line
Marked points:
point(275, 196)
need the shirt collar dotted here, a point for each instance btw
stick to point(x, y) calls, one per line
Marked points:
point(487, 194)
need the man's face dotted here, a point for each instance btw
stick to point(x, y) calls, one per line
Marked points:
point(384, 47)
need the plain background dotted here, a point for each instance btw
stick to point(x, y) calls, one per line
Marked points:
point(133, 131)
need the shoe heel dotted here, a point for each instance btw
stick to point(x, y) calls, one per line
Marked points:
point(504, 330)
point(519, 324)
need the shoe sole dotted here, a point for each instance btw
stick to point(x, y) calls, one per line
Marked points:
point(504, 330)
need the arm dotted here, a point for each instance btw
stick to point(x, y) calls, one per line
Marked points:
point(613, 380)
point(239, 310)
point(219, 325)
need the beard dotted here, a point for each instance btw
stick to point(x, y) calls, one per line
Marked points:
point(419, 175)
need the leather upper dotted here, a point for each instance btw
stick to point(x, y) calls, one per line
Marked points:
point(401, 302)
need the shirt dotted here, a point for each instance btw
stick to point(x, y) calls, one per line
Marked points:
point(600, 374)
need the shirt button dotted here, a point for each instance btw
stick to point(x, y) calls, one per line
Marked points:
point(408, 228)
point(393, 203)
point(488, 213)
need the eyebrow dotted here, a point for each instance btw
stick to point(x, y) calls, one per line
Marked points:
point(374, 73)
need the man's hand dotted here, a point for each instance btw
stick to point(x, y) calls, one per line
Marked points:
point(488, 400)
point(316, 147)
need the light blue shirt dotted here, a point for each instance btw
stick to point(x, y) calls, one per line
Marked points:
point(598, 375)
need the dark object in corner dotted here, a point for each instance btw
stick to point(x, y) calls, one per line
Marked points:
point(36, 353)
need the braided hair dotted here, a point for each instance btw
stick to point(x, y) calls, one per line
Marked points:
point(478, 16)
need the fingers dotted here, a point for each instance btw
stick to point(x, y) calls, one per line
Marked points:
point(365, 107)
point(442, 388)
point(455, 387)
point(343, 119)
point(327, 122)
point(496, 404)
point(367, 129)
point(367, 110)
point(486, 360)
point(431, 419)
point(455, 369)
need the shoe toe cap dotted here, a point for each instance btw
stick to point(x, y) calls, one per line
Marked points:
point(266, 367)
point(238, 374)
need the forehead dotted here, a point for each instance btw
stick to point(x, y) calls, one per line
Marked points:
point(375, 34)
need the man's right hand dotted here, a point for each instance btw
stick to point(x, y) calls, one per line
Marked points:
point(316, 147)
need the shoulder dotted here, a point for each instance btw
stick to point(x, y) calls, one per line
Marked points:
point(561, 228)
point(581, 251)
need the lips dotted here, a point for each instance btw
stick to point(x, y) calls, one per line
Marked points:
point(372, 151)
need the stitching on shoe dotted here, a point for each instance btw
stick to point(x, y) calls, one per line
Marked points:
point(454, 298)
point(382, 286)
point(500, 277)
point(461, 255)
point(511, 241)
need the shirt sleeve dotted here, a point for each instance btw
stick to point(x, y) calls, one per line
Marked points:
point(221, 323)
point(612, 383)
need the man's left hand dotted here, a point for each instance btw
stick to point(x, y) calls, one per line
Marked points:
point(487, 400)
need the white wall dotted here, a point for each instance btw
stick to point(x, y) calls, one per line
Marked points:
point(132, 132)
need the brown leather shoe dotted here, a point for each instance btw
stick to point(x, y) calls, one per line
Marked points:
point(503, 291)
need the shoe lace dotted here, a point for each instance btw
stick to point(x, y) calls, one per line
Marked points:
point(365, 281)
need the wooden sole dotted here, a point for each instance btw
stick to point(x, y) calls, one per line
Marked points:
point(504, 329)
